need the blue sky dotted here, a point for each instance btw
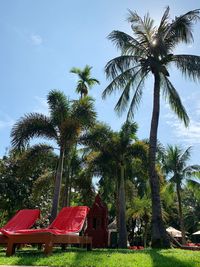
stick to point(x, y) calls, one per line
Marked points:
point(42, 40)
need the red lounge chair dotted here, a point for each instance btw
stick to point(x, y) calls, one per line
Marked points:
point(23, 219)
point(65, 229)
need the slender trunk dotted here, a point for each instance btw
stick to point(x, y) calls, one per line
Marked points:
point(159, 235)
point(117, 202)
point(66, 189)
point(57, 187)
point(122, 212)
point(145, 231)
point(178, 191)
point(70, 188)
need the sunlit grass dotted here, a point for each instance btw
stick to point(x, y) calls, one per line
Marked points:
point(105, 258)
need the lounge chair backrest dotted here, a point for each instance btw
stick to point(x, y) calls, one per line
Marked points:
point(70, 219)
point(23, 219)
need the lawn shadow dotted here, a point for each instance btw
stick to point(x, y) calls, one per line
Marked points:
point(162, 258)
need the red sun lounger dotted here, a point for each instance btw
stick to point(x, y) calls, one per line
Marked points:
point(64, 230)
point(23, 219)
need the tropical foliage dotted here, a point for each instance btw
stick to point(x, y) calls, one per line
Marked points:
point(63, 125)
point(175, 166)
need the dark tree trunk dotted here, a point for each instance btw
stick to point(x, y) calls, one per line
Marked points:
point(145, 231)
point(70, 188)
point(117, 202)
point(122, 212)
point(159, 235)
point(182, 226)
point(57, 187)
point(66, 188)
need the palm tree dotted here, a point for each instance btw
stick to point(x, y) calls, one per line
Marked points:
point(140, 209)
point(114, 151)
point(63, 125)
point(85, 80)
point(149, 53)
point(175, 166)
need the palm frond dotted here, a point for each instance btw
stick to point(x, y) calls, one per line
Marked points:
point(174, 100)
point(120, 81)
point(136, 97)
point(59, 106)
point(192, 171)
point(143, 28)
point(75, 70)
point(29, 126)
point(164, 21)
point(69, 131)
point(120, 64)
point(185, 156)
point(124, 98)
point(127, 44)
point(83, 111)
point(92, 81)
point(189, 65)
point(180, 30)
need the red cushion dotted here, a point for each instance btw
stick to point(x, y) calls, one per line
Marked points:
point(23, 219)
point(70, 219)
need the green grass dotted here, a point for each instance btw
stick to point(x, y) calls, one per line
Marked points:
point(105, 258)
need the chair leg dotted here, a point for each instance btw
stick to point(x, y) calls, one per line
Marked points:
point(89, 247)
point(39, 246)
point(48, 248)
point(64, 247)
point(10, 249)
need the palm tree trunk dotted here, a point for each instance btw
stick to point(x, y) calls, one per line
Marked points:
point(178, 191)
point(122, 212)
point(117, 201)
point(70, 188)
point(57, 188)
point(145, 232)
point(66, 188)
point(159, 235)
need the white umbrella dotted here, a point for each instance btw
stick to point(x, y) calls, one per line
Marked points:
point(174, 232)
point(196, 233)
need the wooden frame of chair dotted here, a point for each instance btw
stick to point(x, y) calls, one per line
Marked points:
point(3, 239)
point(48, 239)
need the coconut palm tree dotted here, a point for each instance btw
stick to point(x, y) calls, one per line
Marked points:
point(85, 80)
point(63, 125)
point(175, 166)
point(149, 52)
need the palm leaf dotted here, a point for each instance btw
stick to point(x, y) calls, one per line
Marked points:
point(180, 30)
point(189, 65)
point(29, 126)
point(59, 106)
point(127, 44)
point(136, 97)
point(174, 100)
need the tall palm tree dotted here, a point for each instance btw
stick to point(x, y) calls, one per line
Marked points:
point(175, 165)
point(85, 80)
point(114, 151)
point(63, 125)
point(149, 52)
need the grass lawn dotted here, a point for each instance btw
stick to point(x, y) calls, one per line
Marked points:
point(105, 258)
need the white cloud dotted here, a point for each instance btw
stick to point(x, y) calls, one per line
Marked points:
point(36, 39)
point(190, 135)
point(42, 106)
